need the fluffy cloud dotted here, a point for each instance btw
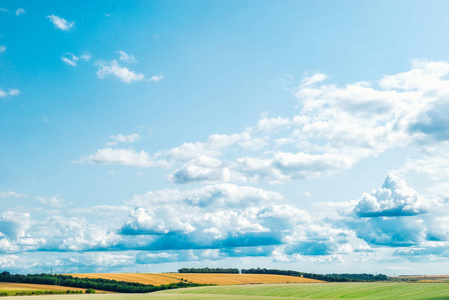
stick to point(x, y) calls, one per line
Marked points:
point(126, 57)
point(10, 92)
point(113, 68)
point(119, 138)
point(226, 220)
point(51, 201)
point(333, 128)
point(20, 11)
point(106, 68)
point(394, 199)
point(156, 78)
point(71, 59)
point(13, 225)
point(236, 220)
point(396, 215)
point(61, 23)
point(315, 78)
point(165, 257)
point(202, 169)
point(108, 156)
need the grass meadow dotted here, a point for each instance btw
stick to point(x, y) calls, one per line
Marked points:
point(372, 290)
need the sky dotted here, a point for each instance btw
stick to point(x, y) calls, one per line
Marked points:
point(147, 136)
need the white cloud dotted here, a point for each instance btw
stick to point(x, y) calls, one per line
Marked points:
point(333, 128)
point(165, 257)
point(51, 201)
point(60, 23)
point(71, 59)
point(10, 92)
point(2, 48)
point(5, 195)
point(202, 169)
point(130, 59)
point(20, 11)
point(273, 123)
point(109, 156)
point(395, 198)
point(119, 138)
point(13, 224)
point(156, 78)
point(113, 68)
point(68, 61)
point(315, 78)
point(396, 215)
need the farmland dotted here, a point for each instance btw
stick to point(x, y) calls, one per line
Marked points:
point(14, 288)
point(374, 290)
point(423, 278)
point(202, 278)
point(371, 290)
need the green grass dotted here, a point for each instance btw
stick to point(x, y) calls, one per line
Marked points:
point(374, 290)
point(378, 290)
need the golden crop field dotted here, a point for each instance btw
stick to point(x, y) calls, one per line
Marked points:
point(230, 279)
point(22, 287)
point(144, 278)
point(203, 278)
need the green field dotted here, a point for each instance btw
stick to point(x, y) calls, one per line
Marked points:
point(374, 290)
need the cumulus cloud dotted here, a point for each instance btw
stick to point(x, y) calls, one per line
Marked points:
point(71, 59)
point(13, 225)
point(238, 221)
point(202, 169)
point(126, 57)
point(51, 201)
point(396, 215)
point(394, 199)
point(226, 220)
point(156, 78)
point(333, 128)
point(61, 23)
point(109, 156)
point(119, 138)
point(269, 124)
point(112, 67)
point(20, 11)
point(315, 78)
point(9, 93)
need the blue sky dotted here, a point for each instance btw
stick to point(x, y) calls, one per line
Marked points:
point(154, 135)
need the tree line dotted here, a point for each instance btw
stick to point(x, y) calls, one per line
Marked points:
point(210, 270)
point(327, 277)
point(91, 283)
point(324, 277)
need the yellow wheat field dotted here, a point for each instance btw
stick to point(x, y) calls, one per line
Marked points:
point(24, 287)
point(203, 278)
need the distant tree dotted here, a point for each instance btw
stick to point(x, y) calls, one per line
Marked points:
point(210, 270)
point(327, 277)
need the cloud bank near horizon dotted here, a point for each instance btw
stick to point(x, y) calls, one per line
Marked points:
point(217, 212)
